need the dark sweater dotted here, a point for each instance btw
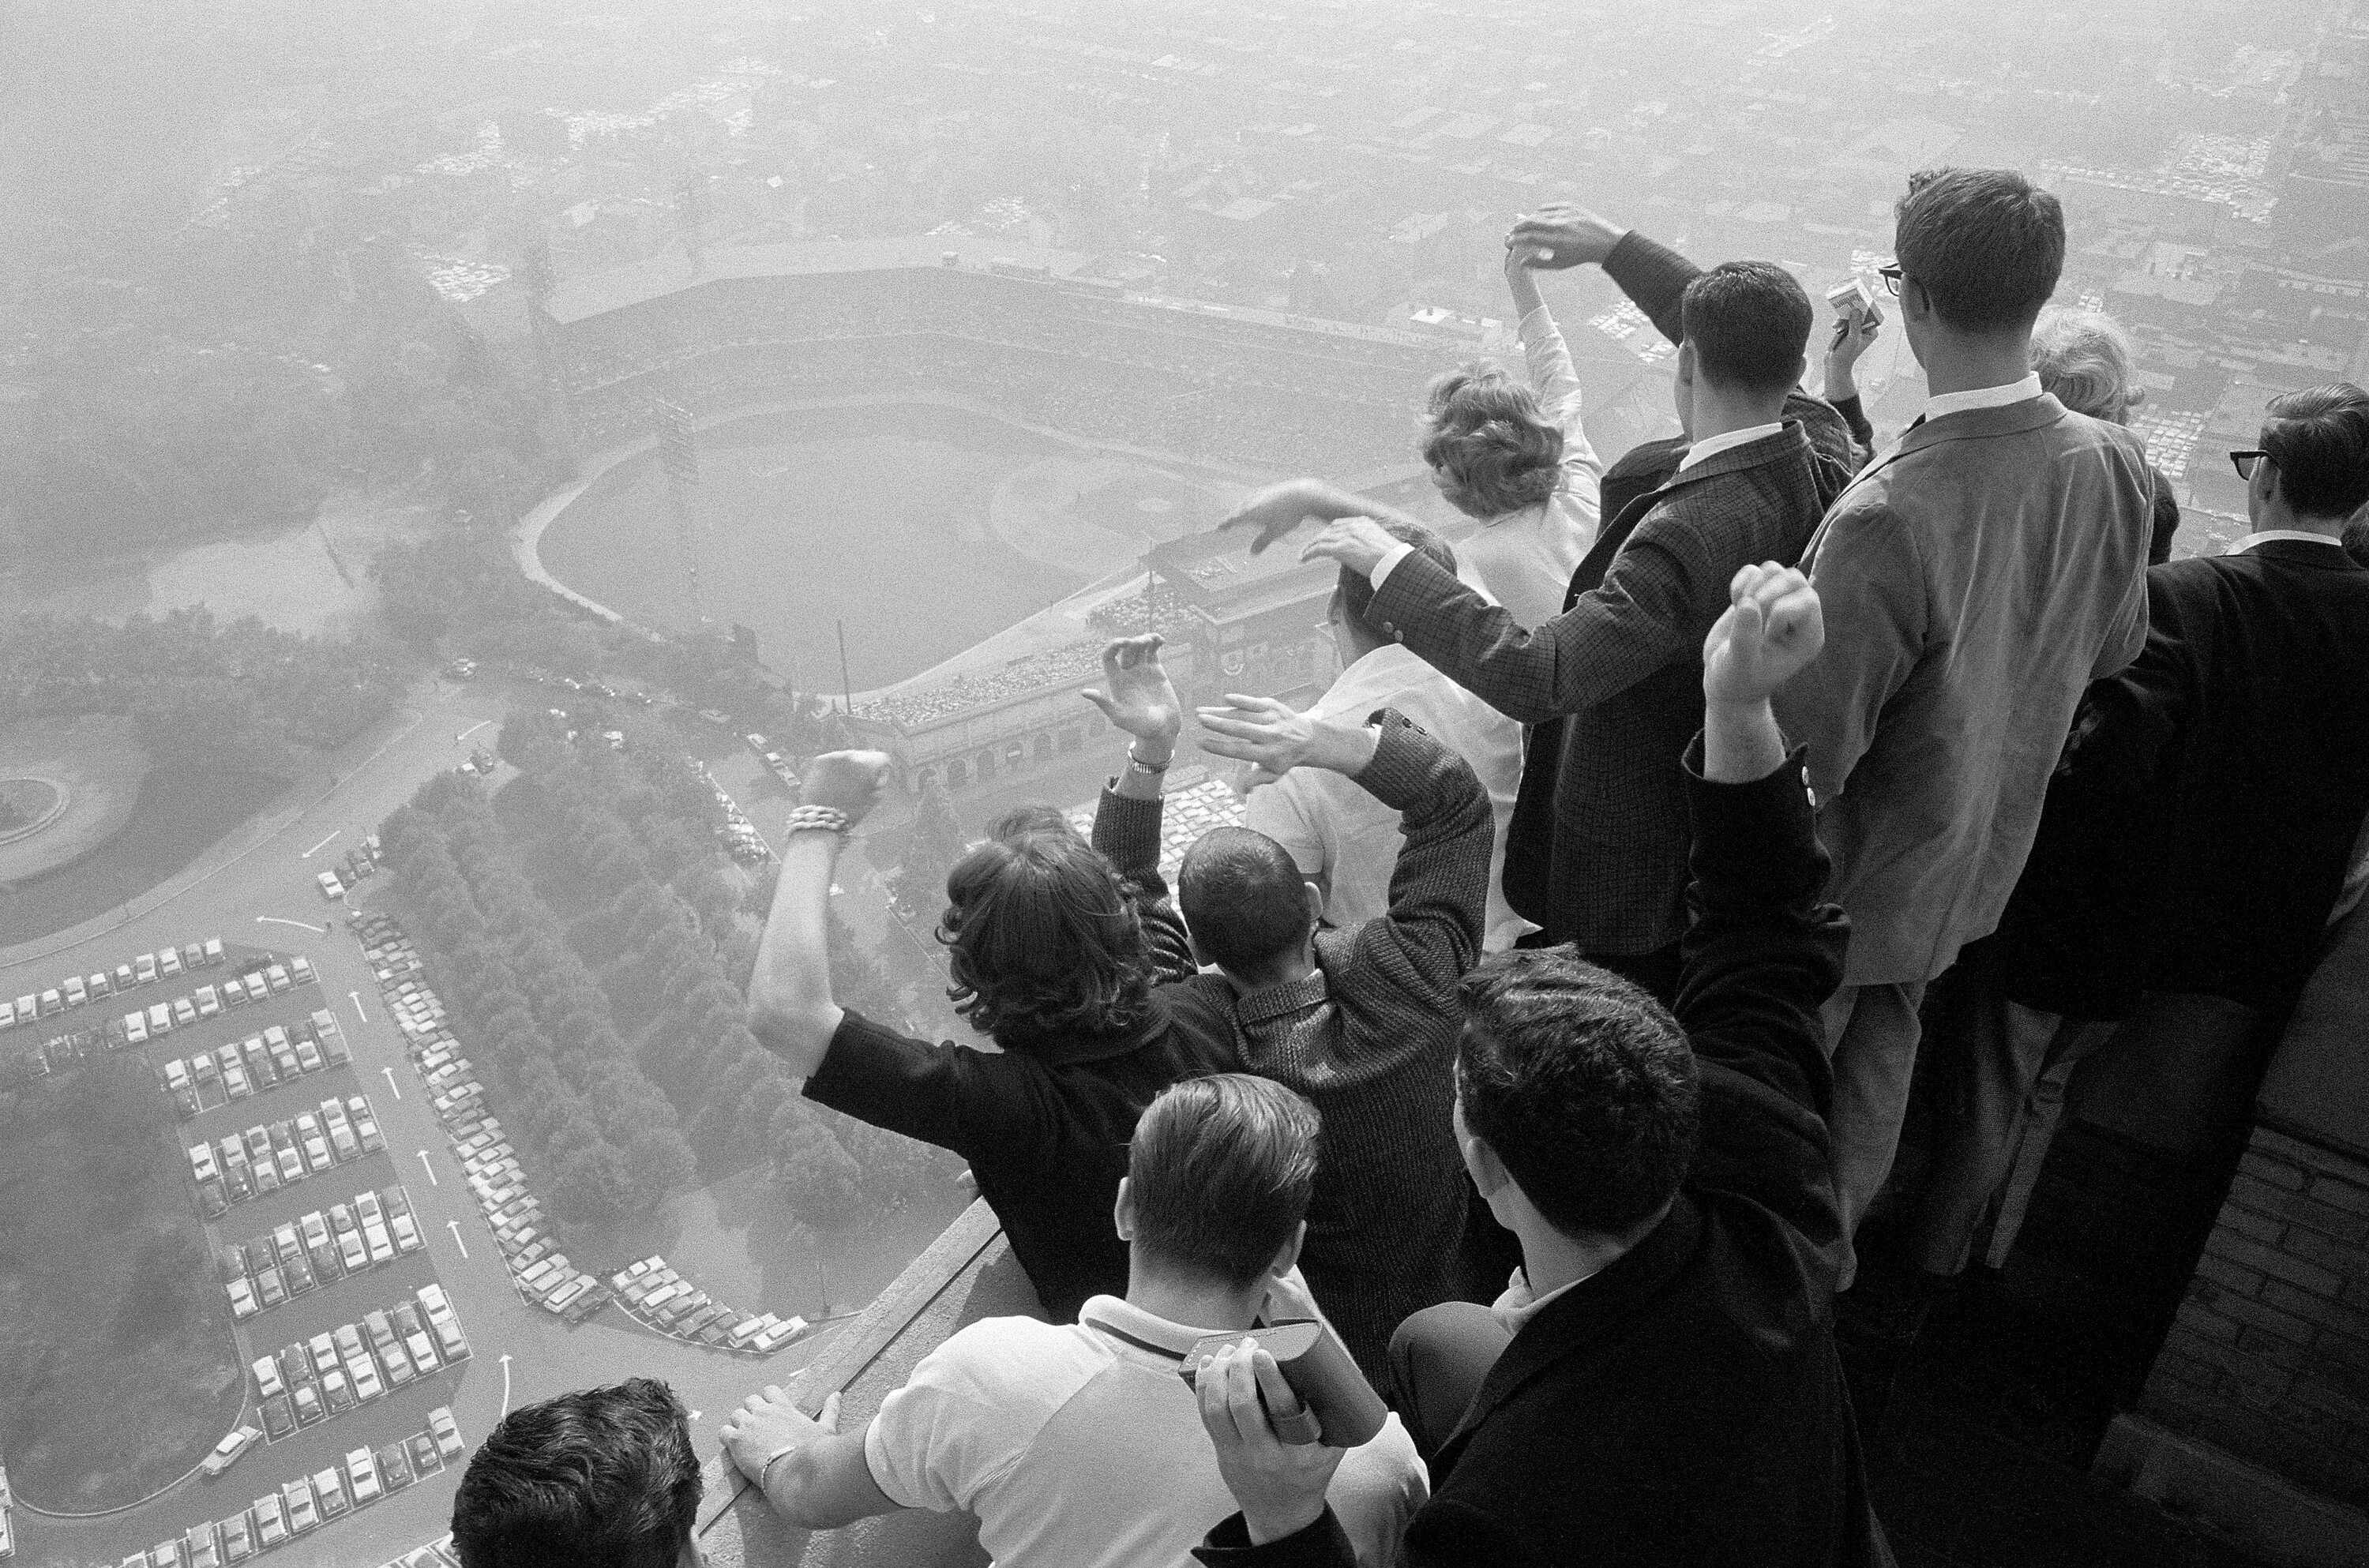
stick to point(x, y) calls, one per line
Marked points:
point(1684, 1405)
point(1371, 1039)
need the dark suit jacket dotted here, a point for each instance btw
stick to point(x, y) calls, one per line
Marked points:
point(1686, 1404)
point(1654, 276)
point(1625, 664)
point(2197, 833)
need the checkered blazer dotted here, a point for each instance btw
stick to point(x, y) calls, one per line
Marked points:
point(1624, 663)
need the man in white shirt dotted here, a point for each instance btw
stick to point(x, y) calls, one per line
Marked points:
point(1341, 837)
point(1079, 1444)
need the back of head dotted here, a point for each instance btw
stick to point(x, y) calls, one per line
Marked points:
point(1354, 592)
point(1748, 323)
point(1484, 431)
point(2083, 360)
point(605, 1478)
point(1242, 895)
point(1986, 245)
point(1042, 938)
point(2320, 439)
point(1219, 1174)
point(1583, 1085)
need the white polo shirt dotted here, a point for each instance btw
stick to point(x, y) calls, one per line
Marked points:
point(1077, 1446)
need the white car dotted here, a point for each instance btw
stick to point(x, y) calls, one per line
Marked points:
point(227, 1451)
point(202, 1168)
point(423, 1354)
point(363, 1475)
point(268, 1380)
point(381, 1245)
point(331, 888)
point(243, 1304)
point(406, 1234)
point(364, 1372)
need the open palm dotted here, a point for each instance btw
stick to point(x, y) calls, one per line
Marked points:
point(1136, 694)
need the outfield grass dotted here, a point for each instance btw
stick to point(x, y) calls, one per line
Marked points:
point(118, 1369)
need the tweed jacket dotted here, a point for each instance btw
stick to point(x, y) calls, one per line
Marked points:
point(1974, 580)
point(1625, 663)
point(1685, 1405)
point(1371, 1039)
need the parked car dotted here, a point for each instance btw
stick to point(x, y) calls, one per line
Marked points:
point(307, 1401)
point(144, 968)
point(406, 1233)
point(270, 1287)
point(394, 1467)
point(329, 1487)
point(336, 1392)
point(135, 1029)
point(302, 1515)
point(447, 1434)
point(295, 1365)
point(364, 1372)
point(308, 1057)
point(268, 1380)
point(198, 1547)
point(270, 1521)
point(331, 888)
point(212, 1199)
point(237, 1537)
point(168, 962)
point(279, 1415)
point(185, 1011)
point(422, 1353)
point(300, 970)
point(425, 1458)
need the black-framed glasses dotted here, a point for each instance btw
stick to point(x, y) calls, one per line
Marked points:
point(1892, 276)
point(2244, 461)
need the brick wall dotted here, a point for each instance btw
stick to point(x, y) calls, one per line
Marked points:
point(2269, 1356)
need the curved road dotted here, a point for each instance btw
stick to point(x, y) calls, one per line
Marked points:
point(256, 888)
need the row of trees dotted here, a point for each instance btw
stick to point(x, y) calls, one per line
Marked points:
point(596, 1136)
point(626, 842)
point(236, 693)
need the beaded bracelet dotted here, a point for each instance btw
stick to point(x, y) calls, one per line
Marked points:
point(826, 818)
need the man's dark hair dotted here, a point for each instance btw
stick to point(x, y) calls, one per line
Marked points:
point(1219, 1172)
point(1043, 938)
point(1242, 896)
point(1749, 323)
point(1582, 1085)
point(1355, 594)
point(602, 1476)
point(2320, 439)
point(1985, 245)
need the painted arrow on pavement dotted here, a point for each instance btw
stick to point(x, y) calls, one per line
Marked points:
point(301, 925)
point(506, 1383)
point(319, 847)
point(430, 1168)
point(392, 1089)
point(356, 998)
point(454, 1226)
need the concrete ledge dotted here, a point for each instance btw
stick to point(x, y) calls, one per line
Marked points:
point(968, 1273)
point(2255, 1510)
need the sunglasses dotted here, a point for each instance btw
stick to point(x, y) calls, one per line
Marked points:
point(2244, 462)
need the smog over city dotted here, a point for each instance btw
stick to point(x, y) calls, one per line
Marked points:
point(583, 582)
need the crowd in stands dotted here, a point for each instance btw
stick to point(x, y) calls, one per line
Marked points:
point(1586, 1207)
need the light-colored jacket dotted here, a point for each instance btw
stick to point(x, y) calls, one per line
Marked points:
point(1525, 558)
point(1974, 580)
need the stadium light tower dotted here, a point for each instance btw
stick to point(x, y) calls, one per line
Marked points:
point(678, 455)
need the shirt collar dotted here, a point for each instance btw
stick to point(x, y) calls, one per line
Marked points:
point(2269, 534)
point(1373, 679)
point(1517, 1306)
point(1129, 1324)
point(1712, 446)
point(1983, 397)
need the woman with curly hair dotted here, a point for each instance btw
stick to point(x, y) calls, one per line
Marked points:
point(1515, 457)
point(1057, 951)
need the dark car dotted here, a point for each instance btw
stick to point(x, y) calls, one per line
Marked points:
point(394, 1467)
point(279, 1416)
point(425, 1460)
point(299, 1274)
point(210, 1198)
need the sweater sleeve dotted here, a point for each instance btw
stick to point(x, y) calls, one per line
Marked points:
point(1654, 278)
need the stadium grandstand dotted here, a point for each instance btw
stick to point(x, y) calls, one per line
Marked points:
point(1038, 338)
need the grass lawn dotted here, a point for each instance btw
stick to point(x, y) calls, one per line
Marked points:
point(118, 1369)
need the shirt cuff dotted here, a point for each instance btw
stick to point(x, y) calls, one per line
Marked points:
point(1388, 563)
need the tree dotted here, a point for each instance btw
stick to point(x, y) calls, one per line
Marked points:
point(932, 844)
point(822, 1180)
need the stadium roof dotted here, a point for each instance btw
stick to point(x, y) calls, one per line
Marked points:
point(594, 292)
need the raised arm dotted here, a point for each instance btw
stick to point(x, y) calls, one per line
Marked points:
point(791, 1009)
point(1552, 373)
point(1137, 698)
point(1439, 887)
point(1763, 954)
point(1278, 509)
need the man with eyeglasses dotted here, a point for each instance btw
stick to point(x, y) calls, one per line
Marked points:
point(2195, 843)
point(1977, 576)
